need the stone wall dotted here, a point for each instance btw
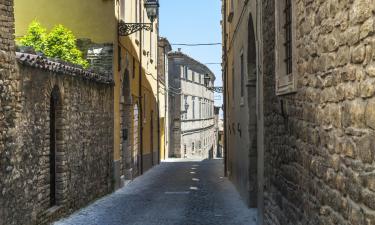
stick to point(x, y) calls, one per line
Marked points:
point(11, 176)
point(320, 141)
point(83, 136)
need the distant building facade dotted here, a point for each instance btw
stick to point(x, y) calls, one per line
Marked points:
point(192, 122)
point(164, 47)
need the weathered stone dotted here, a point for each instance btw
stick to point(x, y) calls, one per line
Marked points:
point(348, 73)
point(371, 70)
point(366, 148)
point(360, 11)
point(367, 28)
point(352, 35)
point(368, 198)
point(370, 113)
point(358, 54)
point(349, 149)
point(369, 179)
point(343, 56)
point(356, 214)
point(354, 113)
point(367, 88)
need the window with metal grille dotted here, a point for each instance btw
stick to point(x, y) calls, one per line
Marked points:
point(288, 36)
point(286, 81)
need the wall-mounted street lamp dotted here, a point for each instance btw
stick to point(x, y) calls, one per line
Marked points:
point(207, 80)
point(186, 108)
point(152, 9)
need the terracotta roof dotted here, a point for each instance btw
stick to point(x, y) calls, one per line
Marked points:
point(43, 63)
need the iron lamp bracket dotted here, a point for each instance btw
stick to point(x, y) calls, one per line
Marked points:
point(126, 29)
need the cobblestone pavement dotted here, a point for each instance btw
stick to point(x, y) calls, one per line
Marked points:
point(173, 193)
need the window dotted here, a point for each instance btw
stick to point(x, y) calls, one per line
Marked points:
point(186, 72)
point(151, 44)
point(192, 147)
point(285, 35)
point(185, 151)
point(185, 103)
point(200, 78)
point(119, 57)
point(233, 81)
point(231, 11)
point(193, 102)
point(133, 68)
point(192, 76)
point(122, 9)
point(200, 108)
point(144, 107)
point(288, 36)
point(136, 11)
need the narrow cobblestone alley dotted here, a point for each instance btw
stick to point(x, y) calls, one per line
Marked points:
point(176, 192)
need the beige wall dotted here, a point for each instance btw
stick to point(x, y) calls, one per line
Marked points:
point(93, 19)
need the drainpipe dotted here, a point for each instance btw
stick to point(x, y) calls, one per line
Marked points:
point(166, 99)
point(225, 90)
point(157, 80)
point(140, 90)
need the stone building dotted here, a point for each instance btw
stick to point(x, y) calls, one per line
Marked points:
point(164, 47)
point(130, 58)
point(192, 122)
point(56, 152)
point(302, 72)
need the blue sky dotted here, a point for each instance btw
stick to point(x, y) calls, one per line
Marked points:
point(194, 21)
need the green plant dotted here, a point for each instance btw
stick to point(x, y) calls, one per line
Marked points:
point(60, 42)
point(35, 36)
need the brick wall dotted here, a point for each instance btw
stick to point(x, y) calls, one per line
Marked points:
point(319, 154)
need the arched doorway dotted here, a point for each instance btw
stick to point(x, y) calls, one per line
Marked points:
point(135, 153)
point(126, 102)
point(252, 109)
point(152, 137)
point(56, 189)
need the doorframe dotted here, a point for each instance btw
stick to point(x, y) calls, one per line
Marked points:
point(260, 110)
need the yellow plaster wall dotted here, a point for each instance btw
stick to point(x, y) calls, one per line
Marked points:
point(94, 19)
point(131, 45)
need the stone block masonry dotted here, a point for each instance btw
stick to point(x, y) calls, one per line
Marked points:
point(56, 134)
point(10, 108)
point(319, 153)
point(83, 138)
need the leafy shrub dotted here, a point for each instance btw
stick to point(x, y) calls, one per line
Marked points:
point(35, 36)
point(60, 43)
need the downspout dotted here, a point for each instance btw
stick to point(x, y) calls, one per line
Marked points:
point(166, 99)
point(140, 91)
point(225, 90)
point(157, 80)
